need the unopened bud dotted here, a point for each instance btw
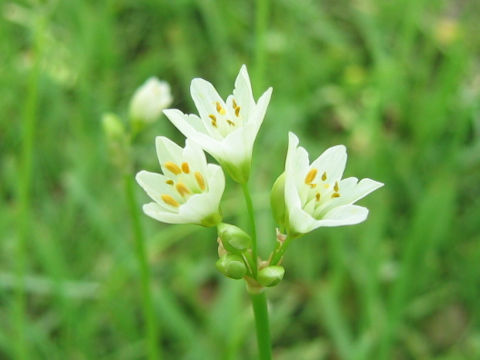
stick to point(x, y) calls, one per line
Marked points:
point(232, 266)
point(277, 201)
point(149, 100)
point(271, 275)
point(233, 238)
point(113, 127)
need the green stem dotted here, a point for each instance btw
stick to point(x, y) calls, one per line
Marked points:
point(259, 303)
point(148, 313)
point(279, 251)
point(253, 229)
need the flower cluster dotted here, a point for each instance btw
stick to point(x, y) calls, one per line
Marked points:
point(306, 196)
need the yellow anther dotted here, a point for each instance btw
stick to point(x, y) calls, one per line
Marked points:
point(220, 109)
point(169, 182)
point(214, 123)
point(234, 103)
point(182, 189)
point(335, 195)
point(200, 180)
point(170, 200)
point(230, 122)
point(173, 167)
point(317, 196)
point(237, 111)
point(312, 186)
point(310, 176)
point(324, 176)
point(335, 187)
point(185, 168)
point(211, 116)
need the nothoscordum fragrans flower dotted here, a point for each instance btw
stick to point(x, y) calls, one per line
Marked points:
point(316, 195)
point(188, 191)
point(224, 129)
point(149, 100)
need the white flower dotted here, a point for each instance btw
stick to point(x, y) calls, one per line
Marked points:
point(224, 129)
point(149, 100)
point(188, 191)
point(316, 195)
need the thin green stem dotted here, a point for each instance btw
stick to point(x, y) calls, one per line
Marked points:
point(259, 303)
point(279, 251)
point(253, 229)
point(148, 313)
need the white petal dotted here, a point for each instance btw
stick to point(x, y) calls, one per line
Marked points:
point(237, 147)
point(344, 215)
point(202, 205)
point(258, 114)
point(297, 160)
point(243, 91)
point(362, 189)
point(195, 156)
point(206, 142)
point(167, 150)
point(205, 97)
point(155, 211)
point(333, 161)
point(155, 186)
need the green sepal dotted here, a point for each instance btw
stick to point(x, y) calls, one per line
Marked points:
point(277, 201)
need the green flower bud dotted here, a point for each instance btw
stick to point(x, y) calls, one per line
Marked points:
point(233, 238)
point(271, 275)
point(277, 201)
point(113, 127)
point(232, 266)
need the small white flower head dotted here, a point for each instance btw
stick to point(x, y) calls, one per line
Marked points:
point(225, 129)
point(149, 100)
point(316, 195)
point(189, 190)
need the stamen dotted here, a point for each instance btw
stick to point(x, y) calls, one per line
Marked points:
point(169, 182)
point(310, 176)
point(185, 168)
point(335, 188)
point(173, 167)
point(237, 111)
point(200, 180)
point(324, 176)
point(317, 196)
point(234, 103)
point(214, 123)
point(335, 195)
point(170, 200)
point(211, 116)
point(220, 109)
point(230, 122)
point(312, 186)
point(182, 189)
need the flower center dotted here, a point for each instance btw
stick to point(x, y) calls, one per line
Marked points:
point(225, 120)
point(318, 193)
point(184, 183)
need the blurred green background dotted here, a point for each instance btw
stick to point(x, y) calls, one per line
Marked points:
point(396, 81)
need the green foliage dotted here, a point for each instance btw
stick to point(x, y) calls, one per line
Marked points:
point(395, 81)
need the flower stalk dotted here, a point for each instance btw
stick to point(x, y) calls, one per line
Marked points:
point(145, 276)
